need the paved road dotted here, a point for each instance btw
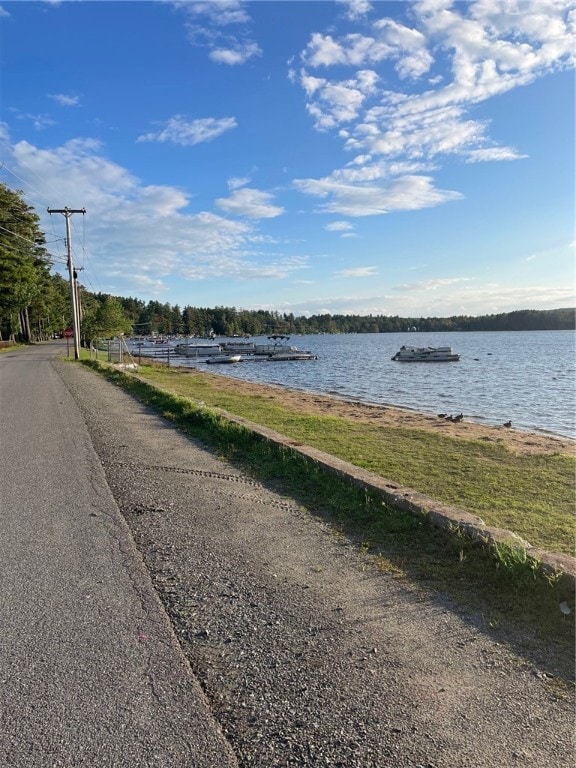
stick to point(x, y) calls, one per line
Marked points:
point(303, 653)
point(90, 671)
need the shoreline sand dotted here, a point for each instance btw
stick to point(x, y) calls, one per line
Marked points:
point(516, 440)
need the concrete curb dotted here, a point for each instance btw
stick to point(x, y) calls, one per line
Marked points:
point(555, 565)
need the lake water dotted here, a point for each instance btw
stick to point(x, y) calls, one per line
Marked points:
point(527, 377)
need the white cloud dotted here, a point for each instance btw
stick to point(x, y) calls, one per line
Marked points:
point(474, 299)
point(139, 234)
point(324, 51)
point(357, 272)
point(311, 84)
point(493, 153)
point(245, 269)
point(404, 194)
point(390, 41)
point(404, 45)
point(333, 103)
point(65, 100)
point(39, 121)
point(356, 8)
point(220, 13)
point(237, 182)
point(253, 203)
point(433, 285)
point(468, 53)
point(480, 299)
point(387, 130)
point(363, 171)
point(341, 104)
point(179, 130)
point(147, 285)
point(339, 226)
point(338, 305)
point(208, 26)
point(240, 54)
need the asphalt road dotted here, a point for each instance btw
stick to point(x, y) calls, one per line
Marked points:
point(90, 671)
point(162, 608)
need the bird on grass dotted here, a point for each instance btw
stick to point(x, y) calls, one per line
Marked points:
point(507, 424)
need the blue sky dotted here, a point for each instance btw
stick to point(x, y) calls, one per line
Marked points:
point(410, 158)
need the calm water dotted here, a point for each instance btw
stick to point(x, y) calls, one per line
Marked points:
point(526, 376)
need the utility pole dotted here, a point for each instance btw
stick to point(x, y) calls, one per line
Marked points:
point(67, 212)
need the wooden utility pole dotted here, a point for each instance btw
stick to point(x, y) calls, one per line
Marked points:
point(67, 212)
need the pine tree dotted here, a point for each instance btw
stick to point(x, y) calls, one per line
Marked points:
point(24, 264)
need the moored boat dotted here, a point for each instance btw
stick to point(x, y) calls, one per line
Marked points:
point(295, 354)
point(197, 350)
point(277, 348)
point(277, 343)
point(426, 355)
point(224, 359)
point(238, 347)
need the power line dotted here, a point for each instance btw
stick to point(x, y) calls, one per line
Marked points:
point(52, 257)
point(32, 242)
point(29, 184)
point(82, 255)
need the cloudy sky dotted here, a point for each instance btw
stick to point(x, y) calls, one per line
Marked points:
point(411, 158)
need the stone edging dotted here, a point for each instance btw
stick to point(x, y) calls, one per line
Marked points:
point(437, 514)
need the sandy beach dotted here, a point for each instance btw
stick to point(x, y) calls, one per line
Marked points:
point(391, 416)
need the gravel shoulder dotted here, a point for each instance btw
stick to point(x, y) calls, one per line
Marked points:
point(307, 654)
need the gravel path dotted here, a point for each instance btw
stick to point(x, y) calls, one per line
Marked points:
point(308, 655)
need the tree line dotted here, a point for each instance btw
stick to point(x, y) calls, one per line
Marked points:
point(35, 303)
point(165, 319)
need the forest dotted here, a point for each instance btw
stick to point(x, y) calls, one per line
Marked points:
point(35, 303)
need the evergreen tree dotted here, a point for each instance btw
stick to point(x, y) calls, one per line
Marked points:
point(24, 264)
point(108, 320)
